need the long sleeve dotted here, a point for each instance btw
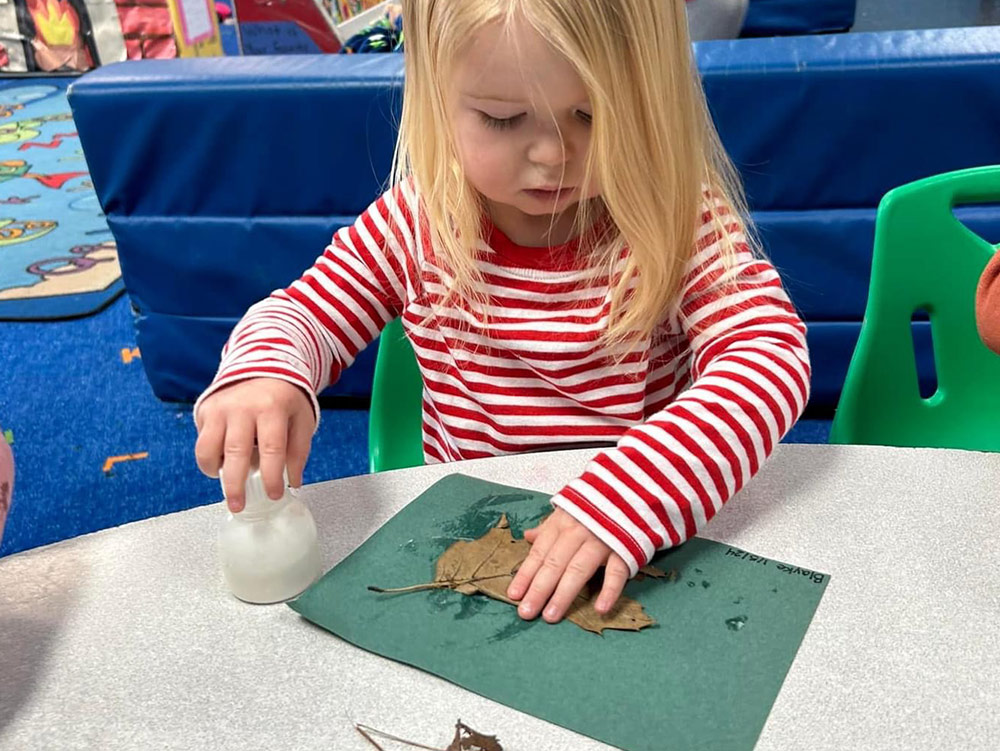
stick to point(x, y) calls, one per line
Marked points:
point(667, 477)
point(309, 332)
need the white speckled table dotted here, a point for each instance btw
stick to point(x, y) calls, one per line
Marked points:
point(128, 639)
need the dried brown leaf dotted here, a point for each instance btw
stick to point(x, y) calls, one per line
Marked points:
point(487, 565)
point(484, 565)
point(467, 739)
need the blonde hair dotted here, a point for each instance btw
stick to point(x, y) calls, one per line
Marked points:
point(654, 149)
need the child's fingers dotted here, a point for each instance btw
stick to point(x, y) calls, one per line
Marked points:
point(581, 567)
point(541, 539)
point(544, 537)
point(238, 448)
point(208, 447)
point(300, 434)
point(532, 534)
point(616, 575)
point(272, 443)
point(547, 576)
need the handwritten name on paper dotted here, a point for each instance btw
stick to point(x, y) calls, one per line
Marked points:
point(744, 555)
point(814, 576)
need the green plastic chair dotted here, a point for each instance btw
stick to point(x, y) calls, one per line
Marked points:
point(395, 421)
point(925, 259)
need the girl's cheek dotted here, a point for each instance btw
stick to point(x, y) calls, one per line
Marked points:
point(487, 166)
point(492, 163)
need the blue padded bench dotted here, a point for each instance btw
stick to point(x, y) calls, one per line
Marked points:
point(223, 178)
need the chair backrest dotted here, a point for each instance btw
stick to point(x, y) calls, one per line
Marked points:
point(395, 422)
point(925, 259)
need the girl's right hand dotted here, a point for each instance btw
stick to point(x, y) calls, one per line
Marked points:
point(272, 414)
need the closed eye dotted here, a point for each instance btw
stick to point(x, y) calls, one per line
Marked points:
point(500, 123)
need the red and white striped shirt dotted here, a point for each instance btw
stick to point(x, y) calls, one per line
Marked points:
point(691, 415)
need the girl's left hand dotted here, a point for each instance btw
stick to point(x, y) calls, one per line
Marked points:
point(564, 556)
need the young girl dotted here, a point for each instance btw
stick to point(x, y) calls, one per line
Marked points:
point(563, 242)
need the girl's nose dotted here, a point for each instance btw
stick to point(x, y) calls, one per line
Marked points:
point(549, 150)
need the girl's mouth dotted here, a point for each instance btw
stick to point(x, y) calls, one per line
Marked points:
point(550, 196)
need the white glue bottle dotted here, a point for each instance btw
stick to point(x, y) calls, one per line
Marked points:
point(269, 550)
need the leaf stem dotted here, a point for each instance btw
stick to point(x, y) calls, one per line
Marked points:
point(435, 585)
point(362, 728)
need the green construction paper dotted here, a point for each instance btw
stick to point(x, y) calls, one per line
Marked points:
point(704, 677)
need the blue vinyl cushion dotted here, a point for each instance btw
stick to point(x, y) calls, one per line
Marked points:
point(223, 178)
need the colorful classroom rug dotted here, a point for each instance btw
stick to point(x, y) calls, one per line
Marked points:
point(58, 258)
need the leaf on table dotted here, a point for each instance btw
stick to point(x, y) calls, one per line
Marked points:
point(467, 739)
point(488, 564)
point(484, 565)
